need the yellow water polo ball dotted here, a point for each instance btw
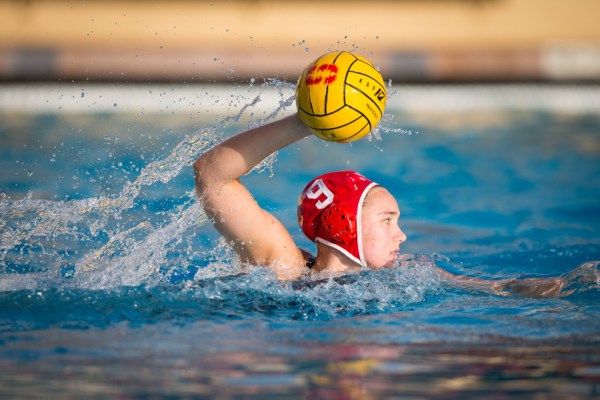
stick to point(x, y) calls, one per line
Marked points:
point(341, 97)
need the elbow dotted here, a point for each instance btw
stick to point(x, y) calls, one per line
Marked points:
point(212, 170)
point(201, 173)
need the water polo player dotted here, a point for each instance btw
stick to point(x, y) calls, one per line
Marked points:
point(353, 221)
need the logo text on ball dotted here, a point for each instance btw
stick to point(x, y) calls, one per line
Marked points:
point(324, 73)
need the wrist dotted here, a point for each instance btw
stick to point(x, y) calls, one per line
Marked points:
point(296, 127)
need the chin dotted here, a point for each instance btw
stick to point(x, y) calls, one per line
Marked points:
point(387, 264)
point(383, 264)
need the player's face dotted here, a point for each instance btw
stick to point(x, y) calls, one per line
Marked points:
point(381, 235)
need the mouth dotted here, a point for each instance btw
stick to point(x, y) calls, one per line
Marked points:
point(392, 260)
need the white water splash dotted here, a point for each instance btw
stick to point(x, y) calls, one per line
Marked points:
point(108, 242)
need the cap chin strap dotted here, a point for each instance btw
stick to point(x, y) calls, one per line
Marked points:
point(341, 250)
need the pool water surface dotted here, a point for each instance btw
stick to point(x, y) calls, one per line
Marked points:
point(113, 284)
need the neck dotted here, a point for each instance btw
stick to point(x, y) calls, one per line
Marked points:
point(331, 262)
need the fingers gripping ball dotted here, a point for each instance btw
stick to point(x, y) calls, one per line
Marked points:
point(341, 97)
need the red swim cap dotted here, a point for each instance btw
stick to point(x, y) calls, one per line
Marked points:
point(329, 211)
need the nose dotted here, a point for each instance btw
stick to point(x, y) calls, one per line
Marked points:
point(400, 236)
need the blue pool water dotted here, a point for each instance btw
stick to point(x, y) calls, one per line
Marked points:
point(114, 285)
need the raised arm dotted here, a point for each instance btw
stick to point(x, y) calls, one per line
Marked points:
point(256, 235)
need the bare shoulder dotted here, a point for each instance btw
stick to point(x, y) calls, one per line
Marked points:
point(255, 234)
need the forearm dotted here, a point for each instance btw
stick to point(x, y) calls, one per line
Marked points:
point(529, 287)
point(239, 154)
point(538, 287)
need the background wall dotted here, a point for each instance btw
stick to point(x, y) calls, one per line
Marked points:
point(411, 40)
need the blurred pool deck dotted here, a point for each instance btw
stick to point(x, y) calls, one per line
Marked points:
point(203, 41)
point(208, 100)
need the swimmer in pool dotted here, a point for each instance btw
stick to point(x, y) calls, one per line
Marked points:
point(260, 239)
point(352, 220)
